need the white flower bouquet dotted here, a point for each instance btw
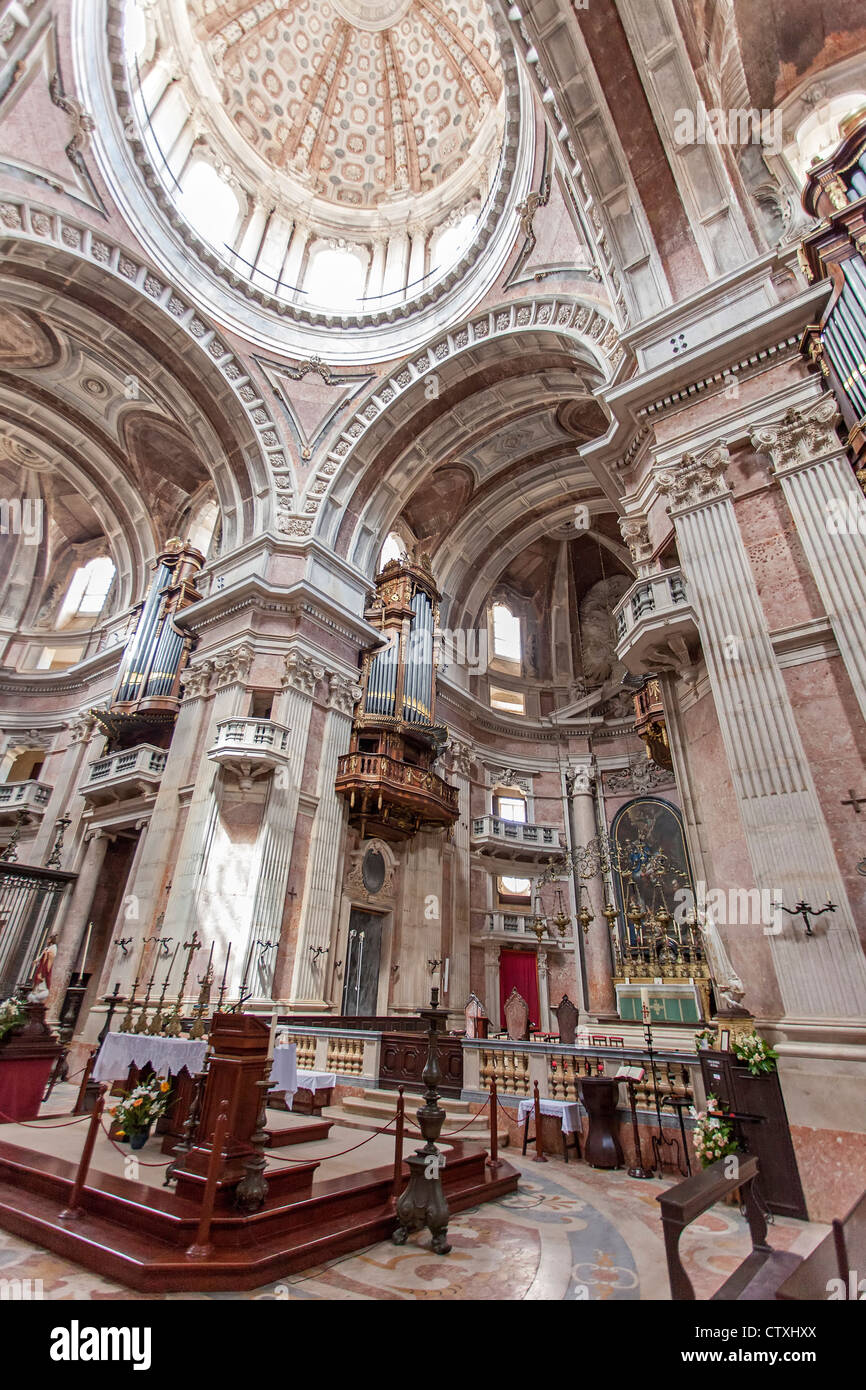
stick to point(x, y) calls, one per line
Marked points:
point(755, 1052)
point(713, 1134)
point(12, 1015)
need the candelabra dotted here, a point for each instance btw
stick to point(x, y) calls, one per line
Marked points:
point(806, 910)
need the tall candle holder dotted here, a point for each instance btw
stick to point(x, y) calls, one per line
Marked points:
point(423, 1202)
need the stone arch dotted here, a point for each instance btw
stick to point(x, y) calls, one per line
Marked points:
point(578, 330)
point(254, 463)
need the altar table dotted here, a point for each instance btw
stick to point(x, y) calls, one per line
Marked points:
point(568, 1112)
point(284, 1070)
point(167, 1056)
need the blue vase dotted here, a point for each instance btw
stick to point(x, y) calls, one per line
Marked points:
point(139, 1138)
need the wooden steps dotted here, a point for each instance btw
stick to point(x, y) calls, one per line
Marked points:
point(282, 1136)
point(138, 1235)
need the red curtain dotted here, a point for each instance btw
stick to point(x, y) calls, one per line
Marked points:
point(518, 970)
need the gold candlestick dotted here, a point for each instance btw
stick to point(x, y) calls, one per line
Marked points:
point(158, 1018)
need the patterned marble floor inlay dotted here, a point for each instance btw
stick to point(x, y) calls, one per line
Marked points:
point(569, 1233)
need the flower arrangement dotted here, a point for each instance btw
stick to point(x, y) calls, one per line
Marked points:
point(705, 1037)
point(138, 1110)
point(713, 1134)
point(12, 1014)
point(755, 1053)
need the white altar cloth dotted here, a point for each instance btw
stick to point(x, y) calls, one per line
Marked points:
point(567, 1110)
point(316, 1080)
point(284, 1072)
point(120, 1051)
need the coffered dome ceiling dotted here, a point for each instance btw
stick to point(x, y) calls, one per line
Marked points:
point(362, 101)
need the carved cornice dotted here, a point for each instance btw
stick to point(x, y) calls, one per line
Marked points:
point(196, 680)
point(509, 777)
point(696, 479)
point(801, 436)
point(232, 665)
point(81, 727)
point(301, 672)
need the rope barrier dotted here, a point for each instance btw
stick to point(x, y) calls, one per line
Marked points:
point(124, 1154)
point(384, 1130)
point(41, 1124)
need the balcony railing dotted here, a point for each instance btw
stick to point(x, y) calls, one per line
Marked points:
point(651, 613)
point(494, 835)
point(31, 797)
point(378, 768)
point(250, 747)
point(519, 924)
point(132, 772)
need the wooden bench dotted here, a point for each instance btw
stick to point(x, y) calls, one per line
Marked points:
point(837, 1266)
point(762, 1272)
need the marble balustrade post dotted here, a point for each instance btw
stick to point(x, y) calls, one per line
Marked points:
point(785, 831)
point(829, 512)
point(327, 846)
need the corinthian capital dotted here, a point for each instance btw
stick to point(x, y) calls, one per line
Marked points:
point(696, 479)
point(579, 780)
point(302, 672)
point(801, 436)
point(343, 694)
point(634, 532)
point(233, 665)
point(196, 679)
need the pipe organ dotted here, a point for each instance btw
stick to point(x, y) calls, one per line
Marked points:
point(146, 693)
point(387, 776)
point(836, 249)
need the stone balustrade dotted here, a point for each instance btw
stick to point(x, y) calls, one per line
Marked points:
point(514, 839)
point(129, 773)
point(31, 797)
point(650, 614)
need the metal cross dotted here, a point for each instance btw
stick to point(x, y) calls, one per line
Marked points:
point(855, 801)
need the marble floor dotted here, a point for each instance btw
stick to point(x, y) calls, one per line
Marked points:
point(569, 1232)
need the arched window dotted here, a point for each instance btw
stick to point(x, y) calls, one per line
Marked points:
point(506, 633)
point(818, 135)
point(88, 589)
point(509, 803)
point(448, 245)
point(391, 550)
point(335, 278)
point(514, 890)
point(209, 205)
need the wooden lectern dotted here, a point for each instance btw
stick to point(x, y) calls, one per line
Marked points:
point(239, 1061)
point(27, 1055)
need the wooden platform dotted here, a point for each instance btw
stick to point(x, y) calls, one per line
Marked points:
point(138, 1233)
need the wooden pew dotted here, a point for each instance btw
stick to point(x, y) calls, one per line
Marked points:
point(837, 1265)
point(761, 1273)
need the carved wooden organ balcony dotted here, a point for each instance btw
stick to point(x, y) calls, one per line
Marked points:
point(650, 723)
point(387, 776)
point(147, 692)
point(836, 250)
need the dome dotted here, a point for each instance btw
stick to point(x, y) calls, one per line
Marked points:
point(361, 103)
point(340, 155)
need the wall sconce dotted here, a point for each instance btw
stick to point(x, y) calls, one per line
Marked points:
point(434, 966)
point(806, 910)
point(123, 942)
point(316, 951)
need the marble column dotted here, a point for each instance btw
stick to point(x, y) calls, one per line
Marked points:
point(829, 512)
point(543, 990)
point(420, 923)
point(74, 920)
point(122, 925)
point(600, 994)
point(227, 682)
point(327, 846)
point(458, 974)
point(491, 981)
point(292, 707)
point(785, 831)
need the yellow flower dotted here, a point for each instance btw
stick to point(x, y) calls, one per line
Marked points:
point(164, 1086)
point(121, 1134)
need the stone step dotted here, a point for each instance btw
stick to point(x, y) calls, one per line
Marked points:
point(413, 1099)
point(375, 1108)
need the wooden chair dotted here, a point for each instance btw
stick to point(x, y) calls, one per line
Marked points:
point(598, 1040)
point(477, 1022)
point(762, 1272)
point(567, 1016)
point(517, 1017)
point(615, 1042)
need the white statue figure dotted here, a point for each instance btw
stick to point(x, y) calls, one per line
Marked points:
point(727, 983)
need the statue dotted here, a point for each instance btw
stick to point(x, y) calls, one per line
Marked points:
point(43, 966)
point(727, 983)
